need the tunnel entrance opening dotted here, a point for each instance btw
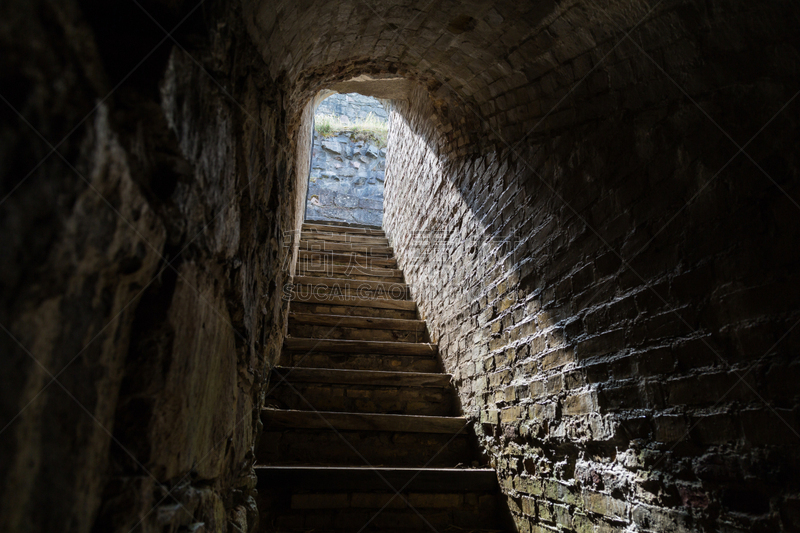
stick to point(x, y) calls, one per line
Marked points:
point(348, 152)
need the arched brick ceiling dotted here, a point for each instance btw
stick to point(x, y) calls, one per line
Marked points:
point(496, 56)
point(507, 70)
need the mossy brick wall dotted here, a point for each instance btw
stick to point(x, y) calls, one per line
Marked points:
point(614, 294)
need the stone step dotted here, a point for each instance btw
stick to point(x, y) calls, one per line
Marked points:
point(430, 480)
point(381, 528)
point(356, 394)
point(393, 324)
point(346, 361)
point(347, 289)
point(318, 269)
point(361, 386)
point(329, 447)
point(351, 516)
point(448, 425)
point(356, 439)
point(348, 346)
point(352, 301)
point(345, 247)
point(347, 259)
point(337, 229)
point(370, 528)
point(344, 237)
point(380, 499)
point(354, 334)
point(372, 285)
point(364, 377)
point(332, 308)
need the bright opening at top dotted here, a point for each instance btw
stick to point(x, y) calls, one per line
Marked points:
point(348, 161)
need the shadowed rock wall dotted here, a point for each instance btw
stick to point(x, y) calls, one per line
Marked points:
point(144, 205)
point(353, 106)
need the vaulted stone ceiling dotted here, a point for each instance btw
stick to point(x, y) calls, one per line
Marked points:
point(485, 55)
point(514, 66)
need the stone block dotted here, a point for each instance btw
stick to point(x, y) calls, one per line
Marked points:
point(651, 518)
point(511, 415)
point(368, 203)
point(333, 146)
point(670, 428)
point(580, 404)
point(605, 505)
point(557, 358)
point(604, 343)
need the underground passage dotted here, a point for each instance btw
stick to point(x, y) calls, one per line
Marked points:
point(547, 282)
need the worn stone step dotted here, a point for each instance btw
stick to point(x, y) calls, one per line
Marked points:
point(358, 322)
point(344, 237)
point(348, 346)
point(356, 439)
point(334, 228)
point(390, 287)
point(354, 334)
point(313, 245)
point(341, 447)
point(449, 425)
point(332, 308)
point(347, 290)
point(357, 395)
point(448, 480)
point(359, 388)
point(416, 519)
point(346, 361)
point(352, 301)
point(381, 510)
point(348, 259)
point(329, 270)
point(382, 529)
point(364, 377)
point(341, 225)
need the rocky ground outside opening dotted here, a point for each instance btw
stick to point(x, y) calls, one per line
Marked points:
point(348, 161)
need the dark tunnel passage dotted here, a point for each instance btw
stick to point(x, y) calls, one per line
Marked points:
point(594, 205)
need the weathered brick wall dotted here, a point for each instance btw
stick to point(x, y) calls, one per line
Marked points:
point(615, 295)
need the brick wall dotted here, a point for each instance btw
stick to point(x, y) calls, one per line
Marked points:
point(614, 295)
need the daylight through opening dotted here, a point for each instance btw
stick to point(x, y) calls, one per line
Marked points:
point(348, 161)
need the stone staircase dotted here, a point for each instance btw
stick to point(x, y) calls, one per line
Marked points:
point(361, 429)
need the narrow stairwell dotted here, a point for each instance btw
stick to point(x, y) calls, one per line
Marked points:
point(361, 428)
